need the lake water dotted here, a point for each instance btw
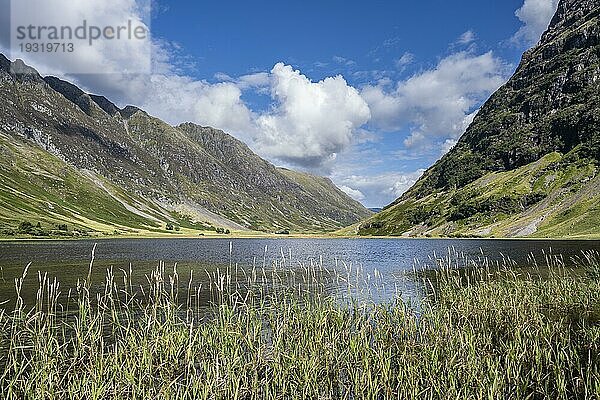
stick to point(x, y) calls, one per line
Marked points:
point(385, 261)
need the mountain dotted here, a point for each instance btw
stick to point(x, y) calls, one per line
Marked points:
point(528, 164)
point(75, 159)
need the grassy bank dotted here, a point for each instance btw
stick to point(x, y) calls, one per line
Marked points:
point(479, 333)
point(183, 233)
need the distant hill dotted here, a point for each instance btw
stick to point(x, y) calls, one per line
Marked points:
point(528, 164)
point(75, 159)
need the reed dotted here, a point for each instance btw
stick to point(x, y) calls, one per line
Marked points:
point(482, 331)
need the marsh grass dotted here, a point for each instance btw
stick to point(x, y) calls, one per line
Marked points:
point(489, 332)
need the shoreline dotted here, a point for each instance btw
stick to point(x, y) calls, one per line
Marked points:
point(307, 236)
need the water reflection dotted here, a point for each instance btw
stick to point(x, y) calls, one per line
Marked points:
point(203, 269)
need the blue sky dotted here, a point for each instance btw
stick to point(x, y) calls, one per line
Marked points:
point(243, 37)
point(367, 93)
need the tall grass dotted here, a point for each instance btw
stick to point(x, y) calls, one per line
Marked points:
point(480, 333)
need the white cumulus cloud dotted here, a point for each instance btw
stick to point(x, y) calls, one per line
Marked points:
point(355, 194)
point(179, 98)
point(123, 53)
point(437, 104)
point(380, 189)
point(311, 121)
point(535, 16)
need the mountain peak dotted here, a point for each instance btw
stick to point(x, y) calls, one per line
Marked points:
point(570, 11)
point(129, 111)
point(19, 67)
point(4, 63)
point(19, 70)
point(109, 107)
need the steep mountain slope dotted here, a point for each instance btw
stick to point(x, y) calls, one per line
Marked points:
point(528, 164)
point(323, 191)
point(77, 159)
point(271, 193)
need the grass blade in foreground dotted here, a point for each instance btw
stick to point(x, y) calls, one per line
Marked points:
point(479, 334)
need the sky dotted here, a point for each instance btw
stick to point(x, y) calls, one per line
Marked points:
point(369, 94)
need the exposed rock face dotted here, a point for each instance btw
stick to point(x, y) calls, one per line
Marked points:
point(4, 63)
point(551, 104)
point(105, 105)
point(132, 163)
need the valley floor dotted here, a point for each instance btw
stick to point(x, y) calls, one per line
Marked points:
point(191, 234)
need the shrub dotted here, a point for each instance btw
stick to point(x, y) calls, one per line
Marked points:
point(25, 227)
point(7, 232)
